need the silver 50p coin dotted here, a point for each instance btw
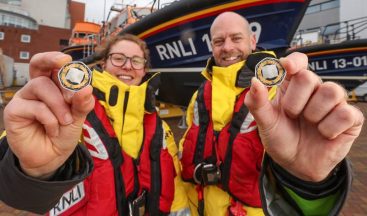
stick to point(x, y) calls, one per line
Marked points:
point(74, 76)
point(270, 72)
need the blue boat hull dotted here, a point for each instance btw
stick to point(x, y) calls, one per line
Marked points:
point(179, 41)
point(345, 62)
point(181, 48)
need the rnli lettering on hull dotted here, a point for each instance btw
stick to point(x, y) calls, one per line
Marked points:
point(176, 49)
point(318, 65)
point(186, 47)
point(69, 199)
point(338, 63)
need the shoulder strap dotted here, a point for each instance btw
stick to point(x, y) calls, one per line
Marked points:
point(204, 119)
point(153, 123)
point(114, 153)
point(233, 130)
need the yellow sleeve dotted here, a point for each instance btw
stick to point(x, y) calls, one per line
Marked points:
point(3, 134)
point(180, 200)
point(272, 92)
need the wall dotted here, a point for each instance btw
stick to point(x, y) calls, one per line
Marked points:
point(49, 12)
point(321, 18)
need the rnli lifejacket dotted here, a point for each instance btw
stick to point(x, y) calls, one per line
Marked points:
point(229, 157)
point(238, 154)
point(121, 184)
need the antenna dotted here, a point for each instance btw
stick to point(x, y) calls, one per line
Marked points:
point(104, 10)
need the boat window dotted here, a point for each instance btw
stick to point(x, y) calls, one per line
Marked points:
point(141, 12)
point(2, 35)
point(82, 35)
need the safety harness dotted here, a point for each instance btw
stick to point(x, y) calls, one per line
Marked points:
point(230, 157)
point(146, 172)
point(133, 175)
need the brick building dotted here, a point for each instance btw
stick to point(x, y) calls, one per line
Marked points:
point(28, 27)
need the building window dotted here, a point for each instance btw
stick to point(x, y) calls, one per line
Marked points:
point(2, 35)
point(330, 5)
point(323, 6)
point(24, 55)
point(25, 38)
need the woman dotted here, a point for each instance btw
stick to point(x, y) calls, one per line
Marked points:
point(136, 169)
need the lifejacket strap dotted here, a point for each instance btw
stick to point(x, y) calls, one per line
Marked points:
point(233, 130)
point(200, 192)
point(115, 154)
point(155, 166)
point(203, 125)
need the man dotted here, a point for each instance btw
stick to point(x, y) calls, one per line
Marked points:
point(305, 127)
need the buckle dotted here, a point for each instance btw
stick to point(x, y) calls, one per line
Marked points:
point(137, 206)
point(207, 174)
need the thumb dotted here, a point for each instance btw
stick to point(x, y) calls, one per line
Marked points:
point(259, 105)
point(81, 104)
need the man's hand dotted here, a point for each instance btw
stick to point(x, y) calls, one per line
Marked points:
point(309, 127)
point(44, 122)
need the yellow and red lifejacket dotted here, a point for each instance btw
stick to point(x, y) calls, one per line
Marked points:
point(236, 149)
point(132, 174)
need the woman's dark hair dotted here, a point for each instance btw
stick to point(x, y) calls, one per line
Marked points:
point(104, 50)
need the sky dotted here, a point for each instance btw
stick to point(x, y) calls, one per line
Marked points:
point(94, 8)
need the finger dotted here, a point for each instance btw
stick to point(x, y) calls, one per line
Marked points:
point(67, 94)
point(258, 104)
point(300, 88)
point(294, 63)
point(43, 64)
point(82, 103)
point(43, 89)
point(327, 96)
point(31, 110)
point(344, 119)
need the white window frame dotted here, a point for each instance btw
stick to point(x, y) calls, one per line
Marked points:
point(25, 38)
point(2, 35)
point(24, 55)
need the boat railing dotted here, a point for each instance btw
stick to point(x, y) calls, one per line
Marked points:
point(331, 33)
point(88, 48)
point(348, 30)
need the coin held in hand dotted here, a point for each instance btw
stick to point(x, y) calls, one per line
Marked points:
point(74, 76)
point(270, 72)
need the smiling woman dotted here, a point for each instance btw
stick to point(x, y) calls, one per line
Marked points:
point(125, 57)
point(119, 125)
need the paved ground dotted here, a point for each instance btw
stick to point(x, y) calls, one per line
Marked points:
point(357, 201)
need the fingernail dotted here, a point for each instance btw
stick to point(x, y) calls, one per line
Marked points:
point(253, 90)
point(62, 58)
point(68, 95)
point(68, 119)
